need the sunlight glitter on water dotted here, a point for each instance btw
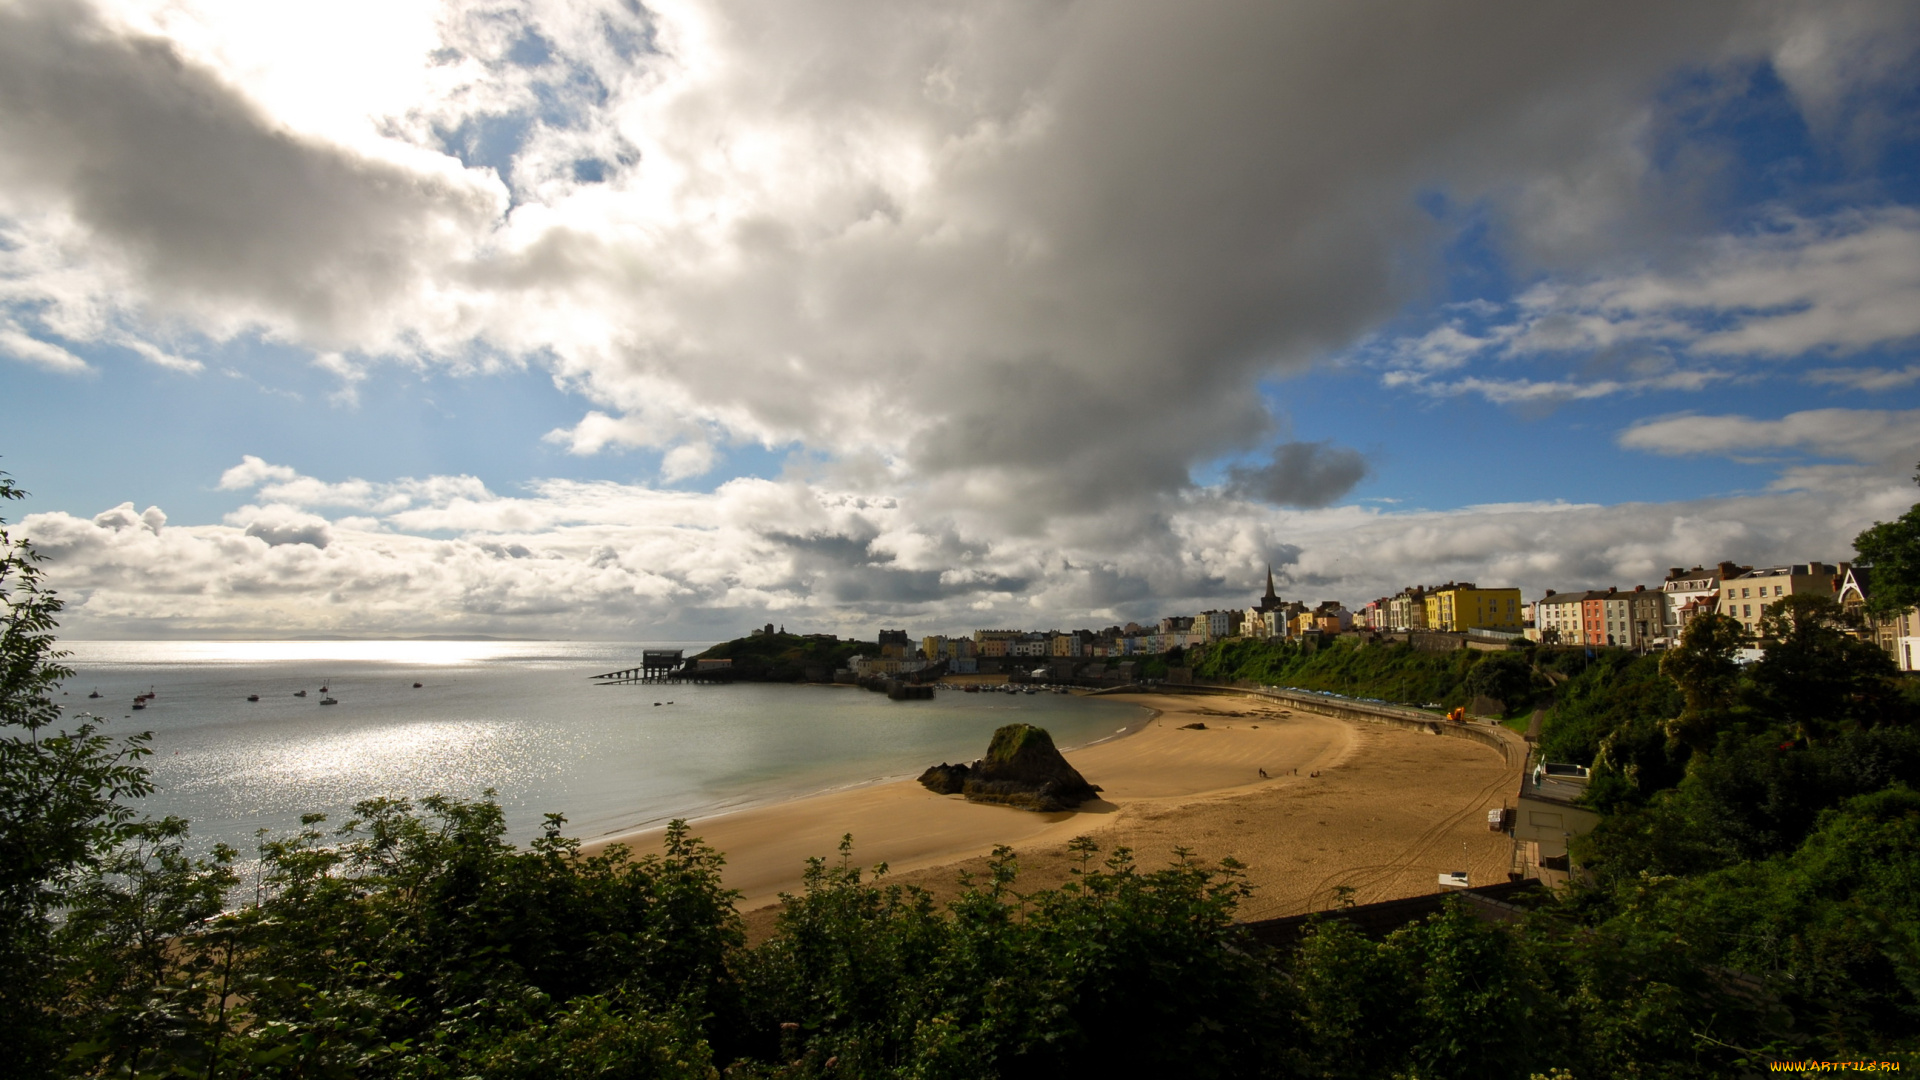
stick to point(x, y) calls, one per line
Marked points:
point(416, 653)
point(237, 746)
point(451, 753)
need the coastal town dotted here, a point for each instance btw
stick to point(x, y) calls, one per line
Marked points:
point(1640, 618)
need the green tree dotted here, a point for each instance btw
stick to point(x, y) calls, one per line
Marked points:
point(1506, 677)
point(1703, 666)
point(1892, 548)
point(1818, 678)
point(63, 803)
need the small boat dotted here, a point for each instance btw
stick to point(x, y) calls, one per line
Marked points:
point(416, 686)
point(96, 693)
point(328, 701)
point(253, 697)
point(970, 689)
point(138, 705)
point(299, 693)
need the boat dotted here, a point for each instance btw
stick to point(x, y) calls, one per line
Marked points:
point(253, 697)
point(416, 686)
point(970, 689)
point(328, 701)
point(96, 693)
point(138, 704)
point(299, 693)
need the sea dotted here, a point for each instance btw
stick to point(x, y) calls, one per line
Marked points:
point(523, 719)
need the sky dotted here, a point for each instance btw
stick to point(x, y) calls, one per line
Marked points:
point(595, 319)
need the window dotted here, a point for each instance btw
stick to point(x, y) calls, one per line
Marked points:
point(1776, 590)
point(1748, 609)
point(1744, 593)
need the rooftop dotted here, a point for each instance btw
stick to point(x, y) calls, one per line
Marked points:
point(1556, 783)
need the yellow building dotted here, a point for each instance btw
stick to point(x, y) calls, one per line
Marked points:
point(1466, 606)
point(995, 642)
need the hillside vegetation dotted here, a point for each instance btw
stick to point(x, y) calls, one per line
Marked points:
point(1520, 678)
point(786, 657)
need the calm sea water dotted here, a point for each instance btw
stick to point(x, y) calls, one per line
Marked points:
point(519, 717)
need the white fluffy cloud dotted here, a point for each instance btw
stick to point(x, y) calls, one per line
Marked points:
point(1828, 288)
point(1863, 435)
point(621, 561)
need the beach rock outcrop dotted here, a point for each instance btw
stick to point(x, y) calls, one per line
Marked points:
point(1022, 769)
point(945, 779)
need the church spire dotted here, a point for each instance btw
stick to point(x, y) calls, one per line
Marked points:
point(1270, 598)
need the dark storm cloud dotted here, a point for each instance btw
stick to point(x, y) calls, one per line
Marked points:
point(211, 198)
point(1125, 216)
point(311, 531)
point(1304, 474)
point(849, 570)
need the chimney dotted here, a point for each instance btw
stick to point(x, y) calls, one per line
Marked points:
point(1549, 592)
point(1639, 588)
point(1674, 573)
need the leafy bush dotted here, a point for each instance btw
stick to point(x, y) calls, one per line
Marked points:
point(1116, 972)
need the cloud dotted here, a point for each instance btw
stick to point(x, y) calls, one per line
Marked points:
point(1866, 379)
point(252, 472)
point(277, 525)
point(1007, 275)
point(1842, 283)
point(20, 345)
point(210, 207)
point(1011, 241)
point(1864, 435)
point(1309, 474)
point(123, 517)
point(686, 461)
point(1819, 287)
point(629, 562)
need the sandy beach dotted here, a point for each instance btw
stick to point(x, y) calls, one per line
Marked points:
point(1388, 810)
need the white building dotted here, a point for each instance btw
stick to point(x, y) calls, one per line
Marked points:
point(1683, 590)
